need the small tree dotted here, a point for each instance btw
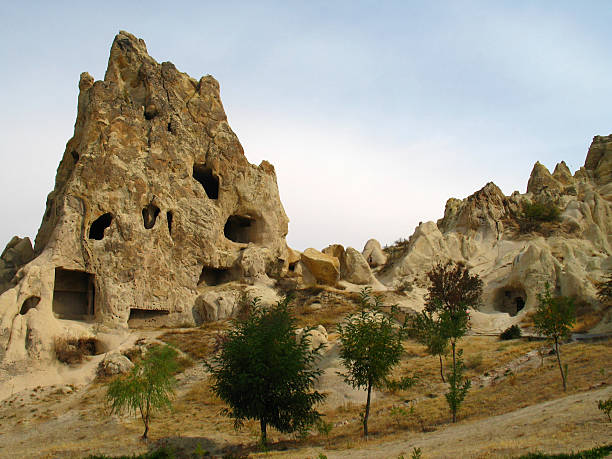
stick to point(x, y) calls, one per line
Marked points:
point(604, 290)
point(148, 387)
point(371, 345)
point(452, 291)
point(263, 372)
point(427, 329)
point(554, 318)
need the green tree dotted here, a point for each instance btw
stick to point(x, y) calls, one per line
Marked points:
point(426, 328)
point(604, 290)
point(148, 387)
point(451, 292)
point(370, 346)
point(263, 372)
point(554, 318)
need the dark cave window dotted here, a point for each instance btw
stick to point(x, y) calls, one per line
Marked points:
point(28, 304)
point(96, 230)
point(149, 215)
point(241, 229)
point(169, 219)
point(207, 179)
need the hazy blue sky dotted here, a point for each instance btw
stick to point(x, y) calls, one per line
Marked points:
point(373, 113)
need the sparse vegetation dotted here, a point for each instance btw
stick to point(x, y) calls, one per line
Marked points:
point(426, 328)
point(370, 346)
point(534, 214)
point(74, 350)
point(554, 318)
point(452, 291)
point(595, 453)
point(512, 332)
point(606, 407)
point(263, 372)
point(148, 387)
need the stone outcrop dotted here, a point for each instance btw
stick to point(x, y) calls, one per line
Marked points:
point(373, 253)
point(324, 268)
point(354, 268)
point(154, 205)
point(515, 255)
point(17, 253)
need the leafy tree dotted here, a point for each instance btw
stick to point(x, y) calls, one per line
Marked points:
point(451, 292)
point(458, 386)
point(148, 387)
point(371, 345)
point(604, 290)
point(263, 372)
point(427, 329)
point(554, 318)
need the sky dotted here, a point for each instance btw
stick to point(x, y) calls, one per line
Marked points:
point(373, 113)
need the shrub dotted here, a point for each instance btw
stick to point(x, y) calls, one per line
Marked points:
point(606, 407)
point(74, 350)
point(540, 211)
point(512, 332)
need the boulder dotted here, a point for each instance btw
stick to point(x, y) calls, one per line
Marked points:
point(316, 338)
point(354, 268)
point(373, 253)
point(114, 364)
point(334, 250)
point(216, 305)
point(324, 268)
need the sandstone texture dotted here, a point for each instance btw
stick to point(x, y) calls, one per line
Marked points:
point(324, 268)
point(154, 206)
point(517, 256)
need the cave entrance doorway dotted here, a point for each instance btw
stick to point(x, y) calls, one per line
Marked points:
point(207, 179)
point(215, 276)
point(147, 318)
point(510, 300)
point(73, 294)
point(242, 229)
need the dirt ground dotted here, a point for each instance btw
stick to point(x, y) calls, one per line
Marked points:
point(516, 405)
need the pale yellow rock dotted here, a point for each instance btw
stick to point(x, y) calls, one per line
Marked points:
point(373, 253)
point(354, 268)
point(153, 200)
point(324, 268)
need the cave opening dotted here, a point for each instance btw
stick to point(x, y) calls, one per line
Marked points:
point(241, 229)
point(142, 318)
point(215, 276)
point(149, 215)
point(510, 300)
point(97, 228)
point(207, 179)
point(73, 294)
point(28, 304)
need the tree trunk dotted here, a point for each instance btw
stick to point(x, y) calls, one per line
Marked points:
point(560, 366)
point(441, 369)
point(146, 431)
point(367, 412)
point(264, 434)
point(453, 409)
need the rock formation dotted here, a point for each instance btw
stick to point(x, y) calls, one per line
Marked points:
point(517, 243)
point(154, 205)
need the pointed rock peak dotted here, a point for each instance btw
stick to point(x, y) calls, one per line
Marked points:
point(562, 173)
point(127, 55)
point(541, 179)
point(599, 159)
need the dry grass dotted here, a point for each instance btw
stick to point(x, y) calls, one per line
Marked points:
point(198, 343)
point(74, 350)
point(589, 368)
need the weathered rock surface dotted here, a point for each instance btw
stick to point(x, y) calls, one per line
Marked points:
point(114, 364)
point(17, 253)
point(373, 253)
point(154, 201)
point(487, 231)
point(354, 268)
point(325, 268)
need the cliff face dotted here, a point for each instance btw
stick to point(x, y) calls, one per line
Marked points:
point(517, 245)
point(154, 201)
